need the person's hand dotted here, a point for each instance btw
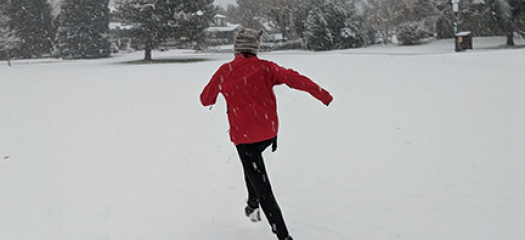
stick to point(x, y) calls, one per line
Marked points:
point(329, 101)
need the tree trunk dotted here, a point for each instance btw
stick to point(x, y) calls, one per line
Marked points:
point(147, 54)
point(9, 58)
point(510, 33)
point(510, 39)
point(147, 51)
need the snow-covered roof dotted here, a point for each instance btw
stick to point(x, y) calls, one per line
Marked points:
point(112, 8)
point(462, 34)
point(118, 25)
point(230, 27)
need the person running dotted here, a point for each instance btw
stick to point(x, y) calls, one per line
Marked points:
point(247, 86)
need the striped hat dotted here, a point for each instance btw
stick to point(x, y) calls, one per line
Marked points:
point(247, 41)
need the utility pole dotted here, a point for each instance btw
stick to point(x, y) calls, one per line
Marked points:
point(455, 9)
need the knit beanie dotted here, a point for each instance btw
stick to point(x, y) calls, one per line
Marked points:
point(247, 41)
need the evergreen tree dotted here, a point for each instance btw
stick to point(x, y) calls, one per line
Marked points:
point(201, 13)
point(318, 35)
point(84, 29)
point(411, 32)
point(345, 25)
point(154, 22)
point(32, 22)
point(8, 39)
point(301, 13)
point(333, 24)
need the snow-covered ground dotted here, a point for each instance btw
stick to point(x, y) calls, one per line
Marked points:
point(420, 143)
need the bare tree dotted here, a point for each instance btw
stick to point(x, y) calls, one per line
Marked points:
point(280, 14)
point(247, 12)
point(385, 15)
point(277, 14)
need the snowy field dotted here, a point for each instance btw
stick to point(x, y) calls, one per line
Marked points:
point(420, 143)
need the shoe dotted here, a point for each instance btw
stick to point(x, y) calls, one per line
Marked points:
point(253, 214)
point(288, 238)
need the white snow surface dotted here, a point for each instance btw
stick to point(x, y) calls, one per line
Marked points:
point(420, 143)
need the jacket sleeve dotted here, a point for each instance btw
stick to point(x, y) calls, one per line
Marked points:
point(211, 90)
point(297, 81)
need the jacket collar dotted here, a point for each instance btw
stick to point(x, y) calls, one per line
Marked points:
point(245, 55)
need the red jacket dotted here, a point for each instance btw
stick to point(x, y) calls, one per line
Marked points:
point(247, 85)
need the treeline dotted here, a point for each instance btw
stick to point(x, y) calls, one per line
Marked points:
point(153, 22)
point(335, 24)
point(28, 29)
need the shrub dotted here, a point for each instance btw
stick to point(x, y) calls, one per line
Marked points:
point(411, 33)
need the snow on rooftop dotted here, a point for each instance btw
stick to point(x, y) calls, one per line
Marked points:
point(462, 34)
point(118, 26)
point(228, 28)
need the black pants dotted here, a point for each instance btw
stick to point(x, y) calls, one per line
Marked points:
point(259, 187)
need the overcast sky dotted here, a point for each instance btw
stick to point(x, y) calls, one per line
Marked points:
point(224, 3)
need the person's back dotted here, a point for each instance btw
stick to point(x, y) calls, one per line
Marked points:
point(247, 86)
point(247, 89)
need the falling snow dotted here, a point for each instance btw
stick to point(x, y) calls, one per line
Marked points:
point(420, 143)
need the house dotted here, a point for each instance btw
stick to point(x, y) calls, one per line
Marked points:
point(220, 32)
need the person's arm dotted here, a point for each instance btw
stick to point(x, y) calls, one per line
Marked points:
point(212, 89)
point(297, 81)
